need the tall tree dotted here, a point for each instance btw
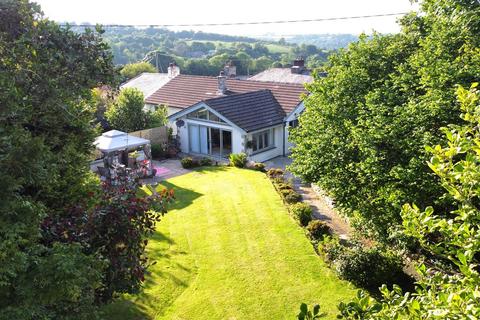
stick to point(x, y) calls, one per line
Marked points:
point(385, 98)
point(46, 75)
point(450, 289)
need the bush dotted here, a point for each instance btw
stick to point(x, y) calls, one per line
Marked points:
point(158, 151)
point(283, 186)
point(290, 196)
point(370, 268)
point(318, 229)
point(205, 162)
point(238, 160)
point(188, 163)
point(259, 166)
point(302, 212)
point(274, 173)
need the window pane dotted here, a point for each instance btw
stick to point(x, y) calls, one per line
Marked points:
point(202, 114)
point(213, 117)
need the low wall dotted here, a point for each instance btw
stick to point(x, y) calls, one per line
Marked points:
point(158, 135)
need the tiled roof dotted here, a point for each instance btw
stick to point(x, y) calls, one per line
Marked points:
point(186, 90)
point(250, 111)
point(146, 82)
point(283, 75)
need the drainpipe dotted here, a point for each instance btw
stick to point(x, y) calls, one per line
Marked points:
point(283, 139)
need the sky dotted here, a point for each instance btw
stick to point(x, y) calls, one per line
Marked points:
point(214, 11)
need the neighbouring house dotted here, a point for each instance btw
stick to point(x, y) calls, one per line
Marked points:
point(216, 116)
point(295, 74)
point(149, 83)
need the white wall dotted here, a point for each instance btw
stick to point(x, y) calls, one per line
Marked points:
point(271, 153)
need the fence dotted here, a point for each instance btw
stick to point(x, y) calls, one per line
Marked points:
point(158, 135)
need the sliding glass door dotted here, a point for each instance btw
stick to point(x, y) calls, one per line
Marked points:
point(210, 141)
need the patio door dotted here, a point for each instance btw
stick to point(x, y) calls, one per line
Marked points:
point(198, 138)
point(208, 140)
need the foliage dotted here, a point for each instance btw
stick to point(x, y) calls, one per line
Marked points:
point(306, 314)
point(205, 162)
point(157, 118)
point(443, 291)
point(259, 166)
point(126, 113)
point(317, 229)
point(201, 53)
point(371, 268)
point(158, 151)
point(115, 231)
point(362, 135)
point(188, 163)
point(302, 212)
point(238, 160)
point(290, 196)
point(275, 172)
point(132, 70)
point(46, 76)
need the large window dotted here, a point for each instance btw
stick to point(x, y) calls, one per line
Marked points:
point(204, 114)
point(262, 140)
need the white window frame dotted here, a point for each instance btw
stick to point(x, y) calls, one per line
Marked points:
point(258, 139)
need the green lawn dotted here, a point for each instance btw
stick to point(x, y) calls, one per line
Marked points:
point(229, 250)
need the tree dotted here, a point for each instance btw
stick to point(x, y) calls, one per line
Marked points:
point(46, 76)
point(132, 70)
point(262, 64)
point(126, 113)
point(361, 137)
point(448, 290)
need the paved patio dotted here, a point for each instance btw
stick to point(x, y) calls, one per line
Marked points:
point(321, 204)
point(166, 169)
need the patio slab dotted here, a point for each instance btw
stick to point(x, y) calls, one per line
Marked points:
point(166, 169)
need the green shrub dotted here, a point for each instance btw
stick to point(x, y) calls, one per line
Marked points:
point(157, 151)
point(274, 173)
point(188, 163)
point(205, 162)
point(290, 196)
point(318, 229)
point(302, 212)
point(238, 160)
point(284, 186)
point(371, 268)
point(259, 166)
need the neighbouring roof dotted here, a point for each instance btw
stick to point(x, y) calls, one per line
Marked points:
point(283, 75)
point(146, 82)
point(250, 111)
point(114, 140)
point(186, 90)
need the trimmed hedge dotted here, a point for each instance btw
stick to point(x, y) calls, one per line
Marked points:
point(317, 229)
point(302, 212)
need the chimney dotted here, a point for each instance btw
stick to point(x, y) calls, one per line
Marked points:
point(230, 69)
point(298, 65)
point(222, 83)
point(173, 70)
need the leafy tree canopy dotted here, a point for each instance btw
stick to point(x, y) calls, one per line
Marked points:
point(447, 291)
point(363, 133)
point(132, 70)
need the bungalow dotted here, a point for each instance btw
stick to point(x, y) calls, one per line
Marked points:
point(218, 116)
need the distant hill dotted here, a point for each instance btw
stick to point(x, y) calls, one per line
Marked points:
point(325, 41)
point(203, 53)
